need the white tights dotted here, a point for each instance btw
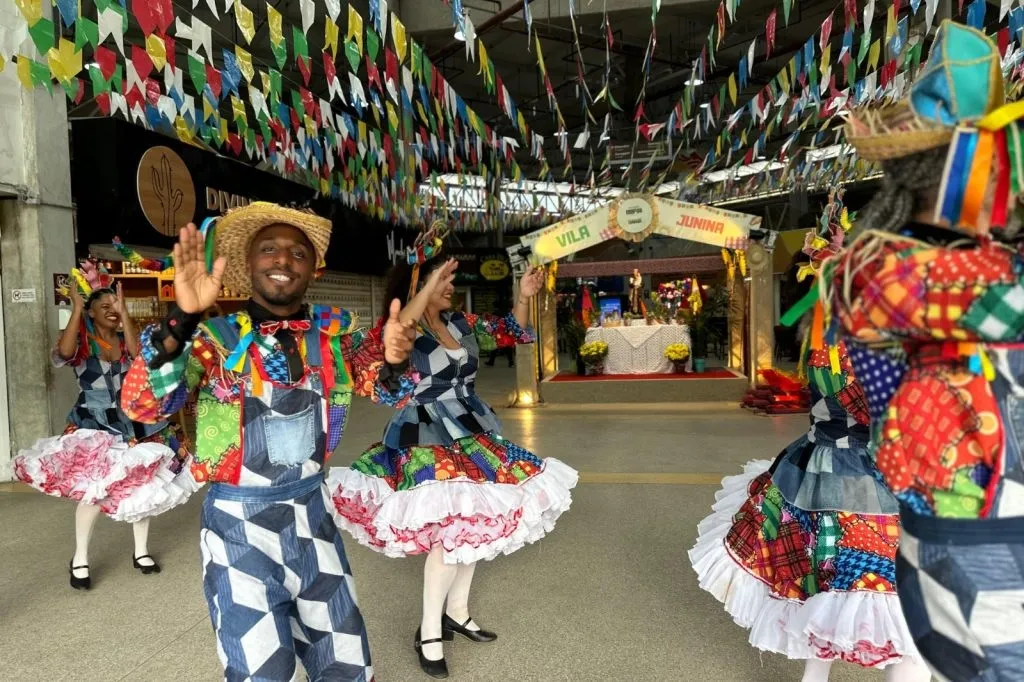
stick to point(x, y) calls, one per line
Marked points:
point(907, 670)
point(85, 520)
point(442, 582)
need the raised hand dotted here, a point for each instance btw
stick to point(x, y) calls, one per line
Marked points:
point(398, 336)
point(119, 305)
point(532, 282)
point(195, 289)
point(77, 302)
point(442, 276)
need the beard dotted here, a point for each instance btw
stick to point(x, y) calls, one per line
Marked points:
point(277, 296)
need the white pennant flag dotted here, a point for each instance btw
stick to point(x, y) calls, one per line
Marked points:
point(118, 102)
point(259, 102)
point(384, 21)
point(174, 79)
point(356, 88)
point(334, 89)
point(333, 9)
point(228, 6)
point(1004, 8)
point(109, 22)
point(750, 56)
point(470, 32)
point(930, 7)
point(167, 108)
point(407, 81)
point(582, 139)
point(308, 11)
point(325, 113)
point(133, 76)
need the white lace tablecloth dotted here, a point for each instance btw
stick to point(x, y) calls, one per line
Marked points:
point(640, 350)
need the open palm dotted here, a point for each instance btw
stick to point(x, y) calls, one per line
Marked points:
point(195, 289)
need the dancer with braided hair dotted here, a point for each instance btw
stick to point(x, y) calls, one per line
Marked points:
point(104, 460)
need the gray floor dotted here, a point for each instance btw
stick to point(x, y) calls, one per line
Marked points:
point(609, 595)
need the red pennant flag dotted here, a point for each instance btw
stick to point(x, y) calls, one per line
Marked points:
point(851, 12)
point(135, 98)
point(373, 73)
point(826, 32)
point(748, 158)
point(303, 64)
point(169, 48)
point(141, 61)
point(611, 37)
point(153, 91)
point(235, 143)
point(308, 103)
point(1004, 40)
point(107, 61)
point(103, 101)
point(832, 91)
point(80, 92)
point(390, 66)
point(639, 112)
point(715, 105)
point(769, 31)
point(720, 16)
point(213, 80)
point(296, 121)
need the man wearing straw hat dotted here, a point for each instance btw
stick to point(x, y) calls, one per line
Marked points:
point(272, 386)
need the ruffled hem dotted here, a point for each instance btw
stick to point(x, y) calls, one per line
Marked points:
point(859, 627)
point(471, 521)
point(99, 468)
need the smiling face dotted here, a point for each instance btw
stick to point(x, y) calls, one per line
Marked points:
point(442, 296)
point(282, 262)
point(103, 311)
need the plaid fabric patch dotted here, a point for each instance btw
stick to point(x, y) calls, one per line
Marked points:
point(945, 308)
point(873, 583)
point(896, 299)
point(826, 538)
point(998, 315)
point(789, 553)
point(853, 400)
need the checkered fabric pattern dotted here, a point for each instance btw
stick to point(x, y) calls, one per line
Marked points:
point(279, 588)
point(879, 374)
point(998, 315)
point(852, 398)
point(852, 565)
point(961, 586)
point(826, 537)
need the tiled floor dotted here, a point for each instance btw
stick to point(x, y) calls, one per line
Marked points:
point(609, 595)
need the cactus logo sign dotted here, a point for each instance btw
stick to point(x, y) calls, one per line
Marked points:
point(166, 191)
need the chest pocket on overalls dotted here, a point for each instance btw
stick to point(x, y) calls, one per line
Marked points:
point(291, 439)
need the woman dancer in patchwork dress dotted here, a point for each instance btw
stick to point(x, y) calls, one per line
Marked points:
point(108, 463)
point(801, 551)
point(444, 482)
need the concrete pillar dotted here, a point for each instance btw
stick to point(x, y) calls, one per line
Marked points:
point(762, 319)
point(737, 314)
point(36, 241)
point(527, 392)
point(547, 330)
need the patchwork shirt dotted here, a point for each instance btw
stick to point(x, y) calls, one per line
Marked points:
point(159, 384)
point(928, 326)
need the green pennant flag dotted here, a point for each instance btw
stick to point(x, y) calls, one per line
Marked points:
point(42, 33)
point(297, 103)
point(99, 83)
point(915, 57)
point(721, 98)
point(300, 48)
point(250, 138)
point(280, 52)
point(851, 72)
point(416, 58)
point(865, 45)
point(612, 102)
point(264, 128)
point(786, 6)
point(275, 86)
point(118, 79)
point(353, 55)
point(372, 43)
point(40, 74)
point(197, 72)
point(86, 32)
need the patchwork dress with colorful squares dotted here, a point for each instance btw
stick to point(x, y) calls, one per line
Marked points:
point(801, 551)
point(443, 474)
point(937, 333)
point(130, 470)
point(272, 399)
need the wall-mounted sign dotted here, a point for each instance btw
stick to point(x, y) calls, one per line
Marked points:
point(61, 281)
point(221, 202)
point(167, 194)
point(23, 295)
point(495, 269)
point(633, 217)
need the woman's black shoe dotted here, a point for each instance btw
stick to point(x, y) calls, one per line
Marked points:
point(437, 669)
point(79, 583)
point(449, 627)
point(146, 570)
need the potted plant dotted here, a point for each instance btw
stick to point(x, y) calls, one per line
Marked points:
point(593, 355)
point(576, 336)
point(702, 332)
point(678, 354)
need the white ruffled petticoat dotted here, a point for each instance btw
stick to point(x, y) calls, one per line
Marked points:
point(128, 483)
point(470, 520)
point(858, 626)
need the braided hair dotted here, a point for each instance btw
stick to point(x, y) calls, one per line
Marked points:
point(906, 190)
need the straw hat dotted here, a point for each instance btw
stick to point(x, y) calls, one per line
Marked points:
point(961, 83)
point(235, 232)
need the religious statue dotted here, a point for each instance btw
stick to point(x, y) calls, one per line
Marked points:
point(636, 288)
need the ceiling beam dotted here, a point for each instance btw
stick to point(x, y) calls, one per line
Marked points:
point(457, 46)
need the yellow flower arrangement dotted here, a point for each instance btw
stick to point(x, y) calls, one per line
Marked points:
point(593, 352)
point(677, 352)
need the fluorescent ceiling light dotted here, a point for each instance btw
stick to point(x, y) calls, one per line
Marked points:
point(695, 81)
point(705, 105)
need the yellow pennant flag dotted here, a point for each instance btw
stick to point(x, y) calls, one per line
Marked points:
point(246, 22)
point(325, 186)
point(482, 50)
point(32, 10)
point(521, 122)
point(331, 36)
point(265, 79)
point(873, 53)
point(238, 110)
point(826, 58)
point(792, 69)
point(208, 110)
point(398, 36)
point(540, 56)
point(157, 51)
point(743, 138)
point(65, 61)
point(355, 28)
point(732, 88)
point(274, 24)
point(244, 62)
point(310, 126)
point(362, 131)
point(25, 72)
point(182, 130)
point(890, 22)
point(718, 146)
point(784, 80)
point(223, 129)
point(392, 115)
point(3, 63)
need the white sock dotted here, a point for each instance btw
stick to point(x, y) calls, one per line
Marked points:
point(85, 519)
point(141, 531)
point(816, 670)
point(908, 670)
point(437, 580)
point(458, 596)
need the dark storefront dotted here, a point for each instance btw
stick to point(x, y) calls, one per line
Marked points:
point(487, 274)
point(142, 186)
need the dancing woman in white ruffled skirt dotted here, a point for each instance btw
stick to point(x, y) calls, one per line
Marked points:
point(103, 460)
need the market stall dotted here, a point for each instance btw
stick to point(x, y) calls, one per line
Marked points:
point(640, 349)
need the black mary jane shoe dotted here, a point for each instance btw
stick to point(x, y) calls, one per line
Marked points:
point(449, 627)
point(436, 669)
point(146, 570)
point(79, 583)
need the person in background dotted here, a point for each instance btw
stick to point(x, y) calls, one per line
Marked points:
point(107, 462)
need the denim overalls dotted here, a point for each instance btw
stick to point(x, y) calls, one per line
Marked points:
point(275, 574)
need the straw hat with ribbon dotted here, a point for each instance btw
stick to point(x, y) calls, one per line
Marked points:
point(233, 234)
point(957, 100)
